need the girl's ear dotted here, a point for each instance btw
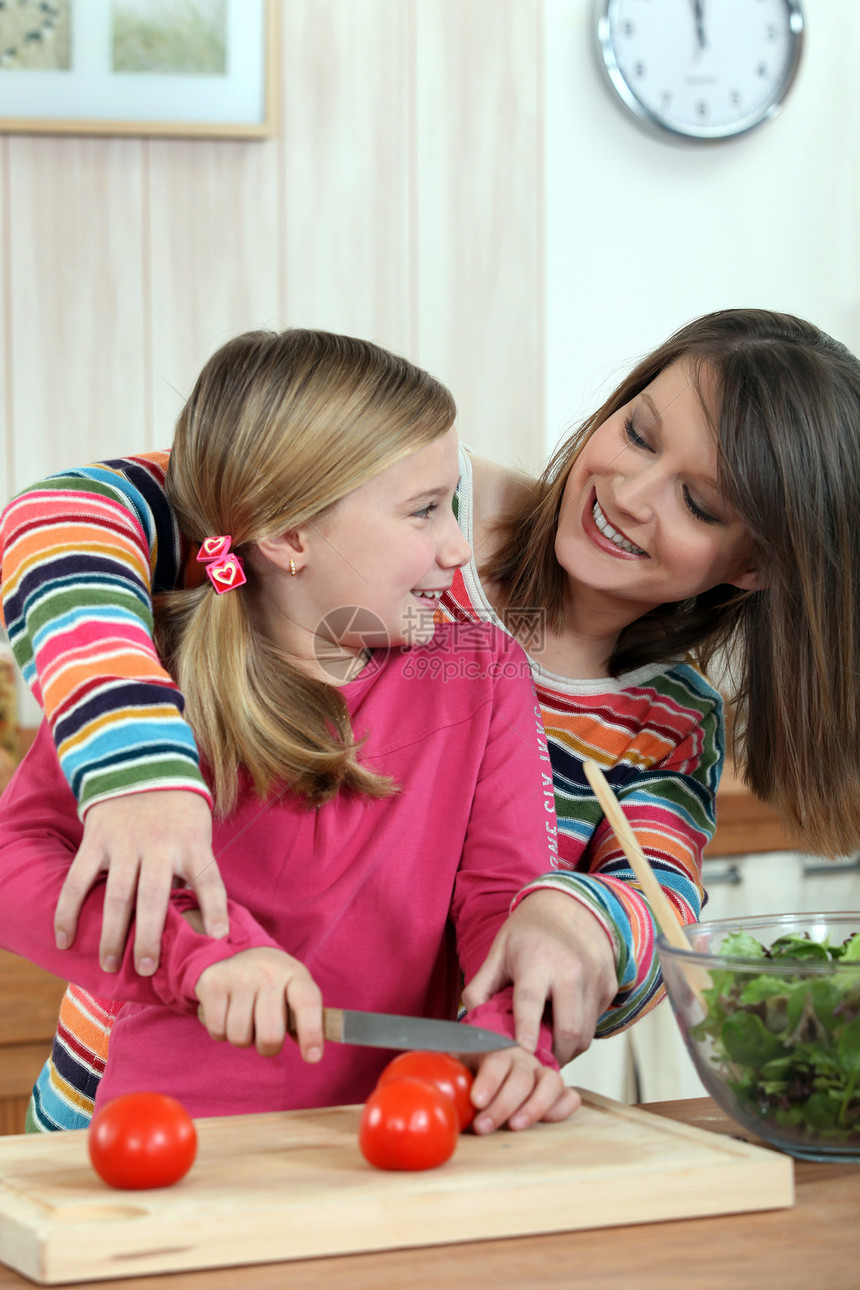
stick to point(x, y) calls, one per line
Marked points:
point(283, 548)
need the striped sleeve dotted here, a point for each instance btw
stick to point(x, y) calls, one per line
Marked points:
point(81, 554)
point(64, 1093)
point(668, 795)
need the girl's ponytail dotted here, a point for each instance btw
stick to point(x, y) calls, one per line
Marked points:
point(252, 708)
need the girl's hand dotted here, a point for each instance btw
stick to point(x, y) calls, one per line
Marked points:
point(144, 841)
point(244, 999)
point(512, 1087)
point(554, 951)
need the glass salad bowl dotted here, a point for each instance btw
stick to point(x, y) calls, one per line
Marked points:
point(769, 1009)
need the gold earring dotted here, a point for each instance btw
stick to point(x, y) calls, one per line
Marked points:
point(292, 568)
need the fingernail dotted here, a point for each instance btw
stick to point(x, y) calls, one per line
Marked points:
point(146, 967)
point(519, 1122)
point(62, 941)
point(313, 1054)
point(219, 931)
point(528, 1042)
point(110, 963)
point(483, 1124)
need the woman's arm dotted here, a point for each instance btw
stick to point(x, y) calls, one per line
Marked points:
point(39, 832)
point(671, 807)
point(80, 554)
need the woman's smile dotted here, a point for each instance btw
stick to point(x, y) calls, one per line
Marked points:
point(606, 536)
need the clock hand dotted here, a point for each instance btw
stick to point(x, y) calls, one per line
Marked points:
point(699, 16)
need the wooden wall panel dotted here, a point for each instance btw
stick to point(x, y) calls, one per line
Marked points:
point(215, 259)
point(400, 200)
point(346, 147)
point(479, 216)
point(75, 299)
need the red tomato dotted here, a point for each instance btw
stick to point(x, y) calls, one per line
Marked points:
point(142, 1140)
point(407, 1123)
point(449, 1075)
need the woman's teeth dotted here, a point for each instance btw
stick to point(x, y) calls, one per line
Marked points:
point(428, 595)
point(609, 532)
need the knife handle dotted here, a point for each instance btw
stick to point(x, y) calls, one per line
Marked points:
point(332, 1023)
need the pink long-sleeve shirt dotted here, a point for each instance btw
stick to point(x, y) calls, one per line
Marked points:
point(363, 891)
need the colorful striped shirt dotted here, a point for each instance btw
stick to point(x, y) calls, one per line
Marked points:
point(82, 553)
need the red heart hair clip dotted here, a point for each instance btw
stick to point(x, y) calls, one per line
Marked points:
point(223, 568)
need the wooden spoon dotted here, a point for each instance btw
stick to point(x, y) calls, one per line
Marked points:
point(667, 920)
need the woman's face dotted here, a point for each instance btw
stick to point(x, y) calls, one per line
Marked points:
point(642, 522)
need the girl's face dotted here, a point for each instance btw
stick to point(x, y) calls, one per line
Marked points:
point(389, 549)
point(642, 522)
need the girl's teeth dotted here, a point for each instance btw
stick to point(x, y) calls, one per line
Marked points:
point(609, 532)
point(430, 595)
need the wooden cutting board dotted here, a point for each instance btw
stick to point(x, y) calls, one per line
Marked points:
point(294, 1186)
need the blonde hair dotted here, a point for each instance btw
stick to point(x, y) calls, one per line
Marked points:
point(278, 428)
point(787, 427)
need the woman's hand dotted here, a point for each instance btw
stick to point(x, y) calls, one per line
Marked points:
point(512, 1087)
point(244, 1000)
point(554, 951)
point(144, 841)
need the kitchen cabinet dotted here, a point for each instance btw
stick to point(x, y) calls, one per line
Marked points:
point(29, 997)
point(29, 1004)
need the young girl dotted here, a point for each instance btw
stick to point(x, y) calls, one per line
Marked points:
point(359, 809)
point(709, 506)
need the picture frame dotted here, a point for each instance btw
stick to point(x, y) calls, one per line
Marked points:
point(188, 68)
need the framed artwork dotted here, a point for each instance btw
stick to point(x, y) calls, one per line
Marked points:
point(145, 67)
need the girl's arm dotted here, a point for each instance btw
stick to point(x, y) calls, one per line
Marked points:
point(237, 985)
point(39, 831)
point(80, 555)
point(512, 834)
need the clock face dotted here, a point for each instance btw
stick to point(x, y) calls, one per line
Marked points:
point(700, 70)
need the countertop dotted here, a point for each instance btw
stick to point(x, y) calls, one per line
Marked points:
point(815, 1243)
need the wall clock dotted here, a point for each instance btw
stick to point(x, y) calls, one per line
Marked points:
point(699, 71)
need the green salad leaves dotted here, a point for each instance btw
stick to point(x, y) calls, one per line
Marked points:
point(788, 1046)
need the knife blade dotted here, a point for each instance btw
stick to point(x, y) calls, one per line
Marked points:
point(384, 1030)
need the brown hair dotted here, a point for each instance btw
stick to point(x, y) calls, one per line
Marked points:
point(788, 440)
point(278, 428)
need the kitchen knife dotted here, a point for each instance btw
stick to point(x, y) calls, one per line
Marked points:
point(382, 1030)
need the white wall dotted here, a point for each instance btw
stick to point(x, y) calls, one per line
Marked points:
point(642, 235)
